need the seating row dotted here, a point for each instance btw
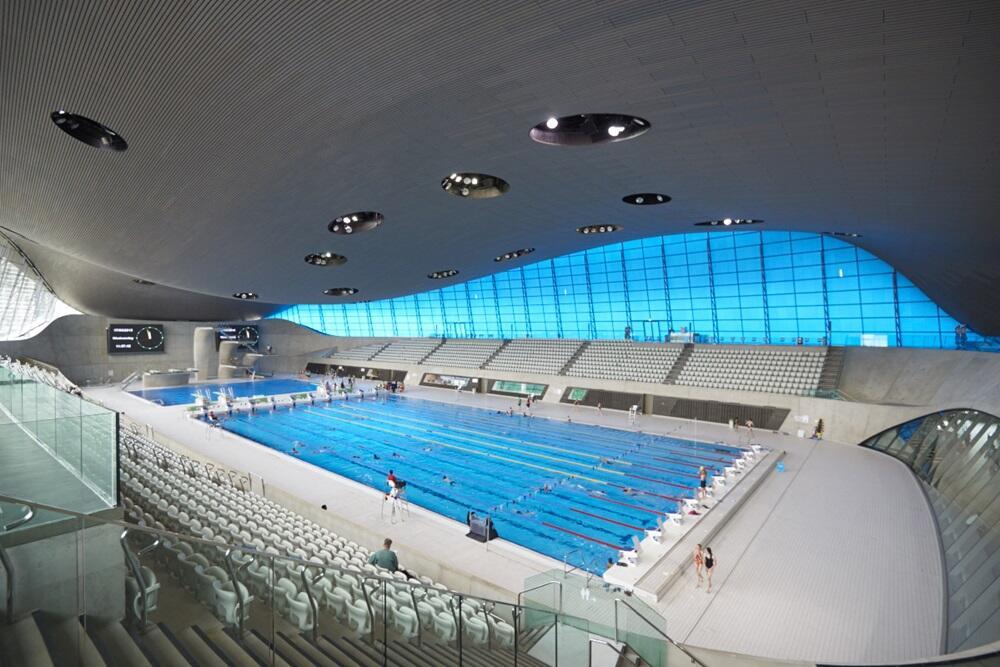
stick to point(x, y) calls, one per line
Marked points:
point(160, 492)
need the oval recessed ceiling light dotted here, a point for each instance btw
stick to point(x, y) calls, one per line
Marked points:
point(513, 254)
point(246, 296)
point(141, 281)
point(588, 128)
point(646, 199)
point(438, 275)
point(728, 222)
point(89, 131)
point(354, 223)
point(325, 259)
point(474, 186)
point(598, 229)
point(340, 291)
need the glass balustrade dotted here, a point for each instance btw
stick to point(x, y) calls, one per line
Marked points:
point(55, 448)
point(120, 589)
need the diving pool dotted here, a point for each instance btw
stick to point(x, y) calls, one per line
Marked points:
point(569, 491)
point(186, 394)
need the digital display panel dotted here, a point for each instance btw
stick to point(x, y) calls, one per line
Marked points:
point(136, 338)
point(245, 334)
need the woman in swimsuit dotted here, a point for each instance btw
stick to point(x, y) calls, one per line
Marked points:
point(702, 481)
point(699, 562)
point(709, 566)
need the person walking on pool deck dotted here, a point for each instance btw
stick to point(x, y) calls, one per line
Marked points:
point(709, 567)
point(385, 557)
point(699, 563)
point(702, 482)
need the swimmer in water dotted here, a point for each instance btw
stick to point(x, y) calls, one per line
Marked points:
point(396, 455)
point(447, 480)
point(376, 457)
point(629, 491)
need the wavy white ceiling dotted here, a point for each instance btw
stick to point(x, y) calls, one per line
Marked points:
point(252, 125)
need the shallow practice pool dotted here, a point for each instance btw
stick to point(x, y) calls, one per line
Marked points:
point(566, 490)
point(186, 394)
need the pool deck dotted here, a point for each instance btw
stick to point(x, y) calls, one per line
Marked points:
point(836, 559)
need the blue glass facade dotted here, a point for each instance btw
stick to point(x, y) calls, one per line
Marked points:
point(725, 286)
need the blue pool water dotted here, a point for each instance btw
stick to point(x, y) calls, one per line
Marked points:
point(242, 389)
point(559, 488)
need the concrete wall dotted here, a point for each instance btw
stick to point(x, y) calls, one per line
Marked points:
point(47, 574)
point(937, 378)
point(77, 345)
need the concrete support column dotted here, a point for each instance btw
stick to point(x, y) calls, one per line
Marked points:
point(206, 357)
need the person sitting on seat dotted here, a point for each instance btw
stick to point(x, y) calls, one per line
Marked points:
point(385, 557)
point(818, 431)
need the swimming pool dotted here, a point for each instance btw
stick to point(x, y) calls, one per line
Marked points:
point(566, 490)
point(185, 394)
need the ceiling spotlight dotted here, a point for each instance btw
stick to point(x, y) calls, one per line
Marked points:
point(362, 221)
point(438, 275)
point(639, 200)
point(513, 254)
point(88, 131)
point(340, 291)
point(727, 222)
point(590, 128)
point(598, 229)
point(325, 259)
point(140, 281)
point(246, 296)
point(646, 199)
point(475, 186)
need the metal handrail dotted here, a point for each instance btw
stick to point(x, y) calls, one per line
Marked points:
point(162, 534)
point(132, 559)
point(8, 567)
point(368, 603)
point(307, 585)
point(233, 571)
point(413, 597)
point(595, 640)
point(658, 630)
point(489, 629)
point(566, 568)
point(542, 585)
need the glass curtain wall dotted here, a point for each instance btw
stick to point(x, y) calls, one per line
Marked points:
point(747, 287)
point(956, 456)
point(27, 305)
